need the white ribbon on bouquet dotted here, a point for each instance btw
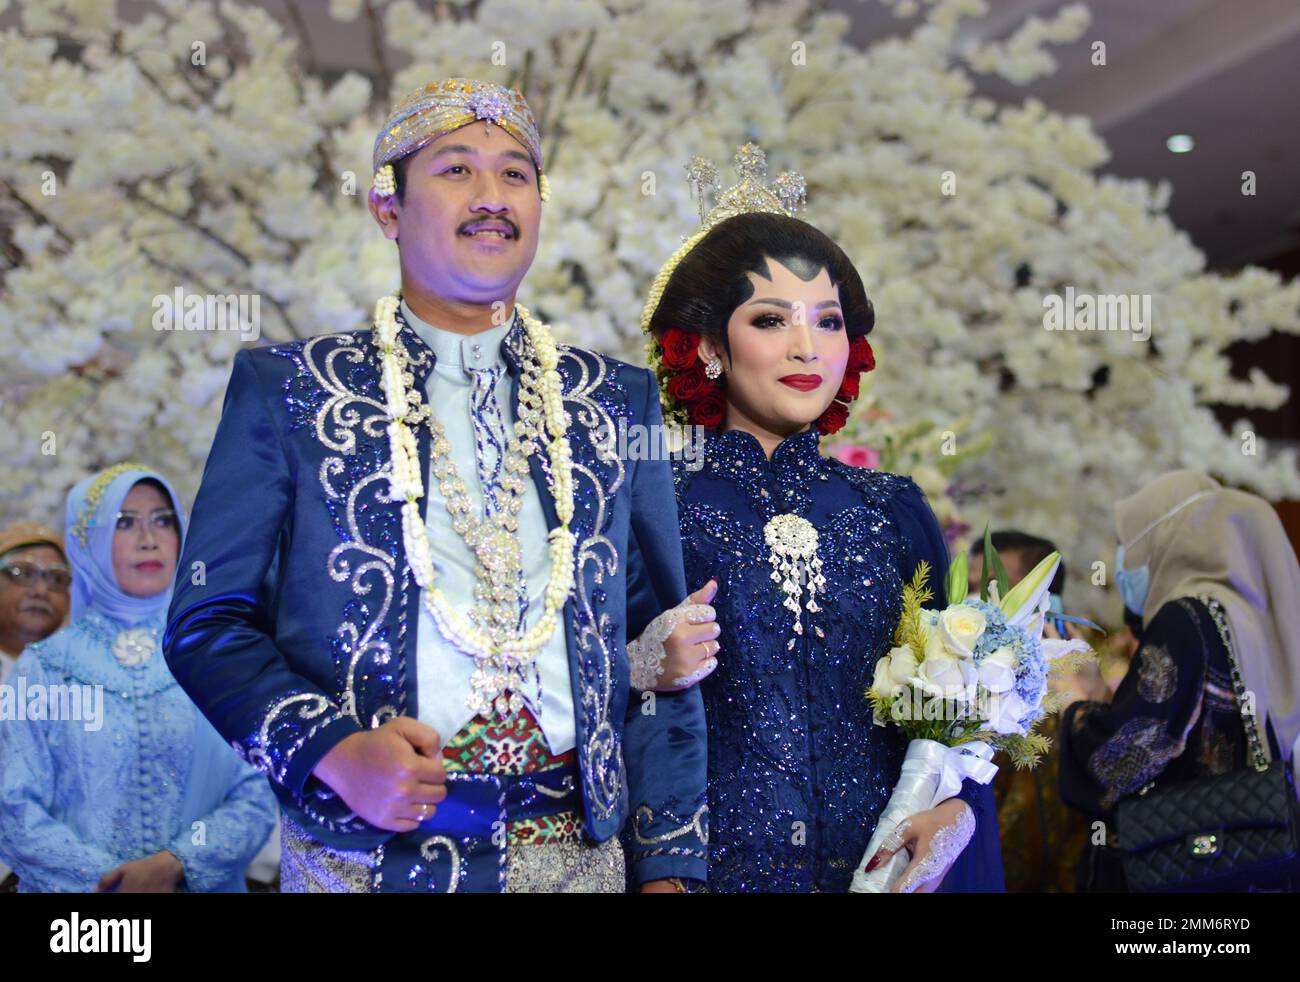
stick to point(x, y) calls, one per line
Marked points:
point(932, 772)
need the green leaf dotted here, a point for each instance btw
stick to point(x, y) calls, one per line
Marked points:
point(993, 569)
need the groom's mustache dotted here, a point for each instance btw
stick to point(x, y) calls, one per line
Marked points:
point(500, 224)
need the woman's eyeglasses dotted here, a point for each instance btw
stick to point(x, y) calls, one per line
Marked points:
point(162, 520)
point(27, 575)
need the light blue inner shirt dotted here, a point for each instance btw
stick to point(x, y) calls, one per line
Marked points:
point(443, 672)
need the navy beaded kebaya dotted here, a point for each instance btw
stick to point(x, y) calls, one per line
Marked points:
point(798, 772)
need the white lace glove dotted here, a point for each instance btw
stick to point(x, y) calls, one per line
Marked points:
point(946, 844)
point(685, 629)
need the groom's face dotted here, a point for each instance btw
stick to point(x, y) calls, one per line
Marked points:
point(469, 216)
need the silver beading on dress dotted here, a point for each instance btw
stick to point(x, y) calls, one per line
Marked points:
point(945, 847)
point(646, 653)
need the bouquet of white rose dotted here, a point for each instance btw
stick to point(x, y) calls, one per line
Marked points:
point(962, 682)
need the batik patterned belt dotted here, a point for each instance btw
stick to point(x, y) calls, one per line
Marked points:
point(508, 797)
point(513, 747)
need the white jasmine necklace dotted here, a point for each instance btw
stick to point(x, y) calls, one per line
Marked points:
point(502, 653)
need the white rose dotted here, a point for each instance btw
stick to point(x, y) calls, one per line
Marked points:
point(946, 677)
point(1005, 712)
point(902, 664)
point(970, 679)
point(892, 670)
point(880, 681)
point(934, 646)
point(961, 627)
point(998, 671)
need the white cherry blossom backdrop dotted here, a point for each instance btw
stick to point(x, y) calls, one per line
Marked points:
point(247, 174)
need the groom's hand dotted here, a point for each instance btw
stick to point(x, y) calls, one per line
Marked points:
point(391, 776)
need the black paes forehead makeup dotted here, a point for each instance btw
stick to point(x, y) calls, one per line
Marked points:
point(804, 267)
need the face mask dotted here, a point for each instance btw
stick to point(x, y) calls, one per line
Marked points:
point(1132, 583)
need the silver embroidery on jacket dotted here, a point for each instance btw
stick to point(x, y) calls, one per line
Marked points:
point(594, 559)
point(363, 565)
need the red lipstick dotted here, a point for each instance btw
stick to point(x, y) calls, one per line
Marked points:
point(804, 383)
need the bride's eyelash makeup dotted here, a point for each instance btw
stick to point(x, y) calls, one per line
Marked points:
point(766, 321)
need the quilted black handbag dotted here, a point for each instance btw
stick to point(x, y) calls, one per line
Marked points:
point(1227, 833)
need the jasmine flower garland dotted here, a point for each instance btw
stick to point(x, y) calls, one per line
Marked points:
point(499, 660)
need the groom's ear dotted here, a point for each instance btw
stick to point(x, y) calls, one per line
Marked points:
point(384, 209)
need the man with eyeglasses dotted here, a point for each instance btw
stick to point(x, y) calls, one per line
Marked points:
point(34, 582)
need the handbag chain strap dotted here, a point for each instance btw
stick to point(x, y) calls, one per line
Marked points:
point(1258, 759)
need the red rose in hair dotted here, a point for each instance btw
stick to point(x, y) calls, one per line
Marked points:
point(850, 387)
point(679, 348)
point(836, 415)
point(689, 385)
point(861, 357)
point(710, 410)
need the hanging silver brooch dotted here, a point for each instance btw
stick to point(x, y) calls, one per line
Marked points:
point(795, 564)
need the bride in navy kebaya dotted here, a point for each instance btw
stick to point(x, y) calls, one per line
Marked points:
point(762, 338)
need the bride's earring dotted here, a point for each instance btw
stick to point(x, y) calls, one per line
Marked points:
point(712, 368)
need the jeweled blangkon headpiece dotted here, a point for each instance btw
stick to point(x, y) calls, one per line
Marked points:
point(446, 105)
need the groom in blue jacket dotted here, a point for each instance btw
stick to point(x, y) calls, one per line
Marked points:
point(410, 613)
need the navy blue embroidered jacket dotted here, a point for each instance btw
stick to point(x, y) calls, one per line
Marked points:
point(296, 630)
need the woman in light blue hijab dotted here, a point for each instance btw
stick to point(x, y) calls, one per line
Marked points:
point(110, 778)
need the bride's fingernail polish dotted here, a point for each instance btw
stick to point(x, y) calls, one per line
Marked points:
point(875, 861)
